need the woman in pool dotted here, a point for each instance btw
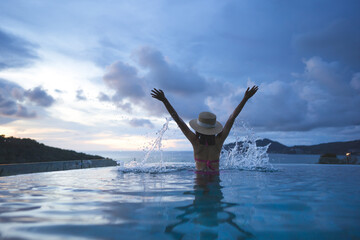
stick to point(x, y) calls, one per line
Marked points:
point(209, 134)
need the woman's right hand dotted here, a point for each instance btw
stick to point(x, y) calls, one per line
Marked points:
point(158, 94)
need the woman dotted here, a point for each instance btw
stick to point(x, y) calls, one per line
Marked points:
point(209, 134)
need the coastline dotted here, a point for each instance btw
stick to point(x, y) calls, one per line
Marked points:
point(25, 168)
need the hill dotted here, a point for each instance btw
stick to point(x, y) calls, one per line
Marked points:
point(26, 150)
point(338, 148)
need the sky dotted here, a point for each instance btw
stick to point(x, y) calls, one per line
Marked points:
point(78, 74)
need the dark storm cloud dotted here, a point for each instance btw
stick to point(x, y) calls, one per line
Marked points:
point(15, 51)
point(15, 102)
point(266, 40)
point(321, 96)
point(39, 96)
point(339, 41)
point(141, 122)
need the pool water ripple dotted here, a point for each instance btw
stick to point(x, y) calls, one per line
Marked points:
point(297, 201)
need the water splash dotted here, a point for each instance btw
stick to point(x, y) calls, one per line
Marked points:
point(156, 145)
point(153, 159)
point(244, 154)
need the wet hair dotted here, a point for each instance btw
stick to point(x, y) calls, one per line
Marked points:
point(209, 139)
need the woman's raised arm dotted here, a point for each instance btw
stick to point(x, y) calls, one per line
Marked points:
point(230, 122)
point(159, 95)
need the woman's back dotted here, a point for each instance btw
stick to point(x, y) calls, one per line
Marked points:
point(207, 156)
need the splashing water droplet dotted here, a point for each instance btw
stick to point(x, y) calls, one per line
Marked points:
point(245, 154)
point(152, 161)
point(156, 145)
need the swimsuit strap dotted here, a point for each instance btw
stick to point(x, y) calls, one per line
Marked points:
point(208, 163)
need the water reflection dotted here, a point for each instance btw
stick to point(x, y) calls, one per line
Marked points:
point(208, 216)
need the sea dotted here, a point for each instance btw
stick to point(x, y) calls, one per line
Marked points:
point(188, 156)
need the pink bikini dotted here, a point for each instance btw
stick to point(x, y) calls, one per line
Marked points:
point(208, 164)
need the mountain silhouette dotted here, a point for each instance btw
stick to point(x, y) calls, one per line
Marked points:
point(338, 148)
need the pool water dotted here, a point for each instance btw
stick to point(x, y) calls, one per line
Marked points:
point(297, 201)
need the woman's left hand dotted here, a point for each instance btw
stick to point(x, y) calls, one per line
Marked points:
point(158, 94)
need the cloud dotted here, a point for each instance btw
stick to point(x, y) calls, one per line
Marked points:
point(15, 51)
point(23, 112)
point(338, 41)
point(124, 79)
point(102, 97)
point(80, 95)
point(319, 97)
point(141, 122)
point(16, 101)
point(355, 81)
point(325, 94)
point(39, 97)
point(10, 98)
point(332, 76)
point(186, 89)
point(167, 76)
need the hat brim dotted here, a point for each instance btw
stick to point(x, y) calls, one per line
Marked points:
point(206, 131)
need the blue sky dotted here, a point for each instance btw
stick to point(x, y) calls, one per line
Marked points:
point(77, 74)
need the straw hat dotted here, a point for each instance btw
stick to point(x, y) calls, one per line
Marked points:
point(206, 124)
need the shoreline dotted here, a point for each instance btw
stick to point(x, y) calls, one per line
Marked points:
point(25, 168)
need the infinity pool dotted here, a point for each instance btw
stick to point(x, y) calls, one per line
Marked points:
point(298, 201)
